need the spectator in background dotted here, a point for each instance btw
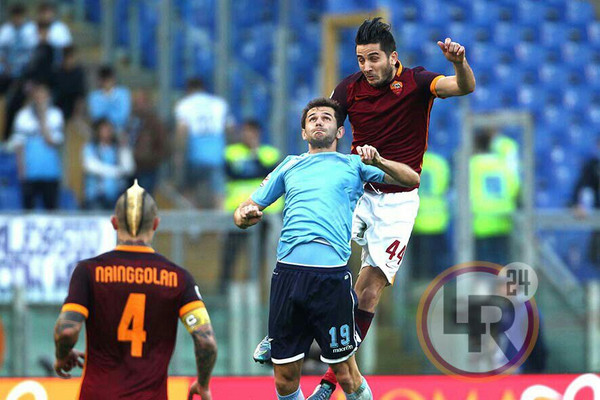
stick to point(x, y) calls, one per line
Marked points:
point(586, 196)
point(202, 121)
point(148, 138)
point(494, 188)
point(59, 35)
point(107, 164)
point(109, 100)
point(41, 64)
point(69, 83)
point(38, 133)
point(17, 41)
point(247, 163)
point(429, 244)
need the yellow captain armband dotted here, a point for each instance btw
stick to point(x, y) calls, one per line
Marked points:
point(194, 315)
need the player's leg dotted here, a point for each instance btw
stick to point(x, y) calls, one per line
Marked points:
point(287, 380)
point(382, 225)
point(369, 287)
point(291, 338)
point(337, 334)
point(352, 382)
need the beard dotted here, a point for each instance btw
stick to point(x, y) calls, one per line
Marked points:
point(387, 77)
point(321, 143)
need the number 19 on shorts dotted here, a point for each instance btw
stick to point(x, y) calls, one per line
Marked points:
point(344, 335)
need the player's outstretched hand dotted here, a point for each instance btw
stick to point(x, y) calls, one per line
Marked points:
point(368, 154)
point(453, 51)
point(74, 359)
point(201, 391)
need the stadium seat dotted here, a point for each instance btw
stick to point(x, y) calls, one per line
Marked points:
point(484, 55)
point(93, 10)
point(507, 34)
point(122, 34)
point(434, 12)
point(550, 74)
point(67, 200)
point(592, 75)
point(554, 11)
point(530, 55)
point(410, 36)
point(579, 11)
point(148, 32)
point(10, 197)
point(576, 54)
point(530, 12)
point(593, 33)
point(593, 114)
point(461, 32)
point(553, 33)
point(577, 98)
point(484, 12)
point(485, 98)
point(8, 169)
point(344, 6)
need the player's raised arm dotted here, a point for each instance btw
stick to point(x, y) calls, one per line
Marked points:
point(197, 322)
point(396, 173)
point(66, 334)
point(463, 82)
point(247, 214)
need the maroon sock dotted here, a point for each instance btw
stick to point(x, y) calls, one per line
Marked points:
point(363, 320)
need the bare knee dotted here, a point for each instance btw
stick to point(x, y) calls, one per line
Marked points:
point(286, 381)
point(368, 297)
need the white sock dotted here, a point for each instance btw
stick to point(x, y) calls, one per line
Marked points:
point(297, 395)
point(362, 393)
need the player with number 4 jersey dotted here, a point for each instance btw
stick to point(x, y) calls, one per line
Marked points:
point(131, 299)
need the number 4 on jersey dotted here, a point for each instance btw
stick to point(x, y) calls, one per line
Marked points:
point(131, 326)
point(392, 248)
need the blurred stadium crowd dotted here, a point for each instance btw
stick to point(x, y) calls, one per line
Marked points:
point(75, 135)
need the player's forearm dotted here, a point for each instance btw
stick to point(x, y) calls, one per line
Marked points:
point(465, 78)
point(400, 173)
point(205, 350)
point(65, 338)
point(66, 332)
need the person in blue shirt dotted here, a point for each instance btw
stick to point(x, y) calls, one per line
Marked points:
point(109, 100)
point(107, 163)
point(37, 139)
point(311, 288)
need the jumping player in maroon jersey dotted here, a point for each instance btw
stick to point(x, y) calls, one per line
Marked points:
point(131, 299)
point(388, 106)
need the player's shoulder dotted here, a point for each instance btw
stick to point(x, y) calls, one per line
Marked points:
point(290, 161)
point(350, 79)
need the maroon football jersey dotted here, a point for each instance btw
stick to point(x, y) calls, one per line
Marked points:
point(394, 119)
point(132, 299)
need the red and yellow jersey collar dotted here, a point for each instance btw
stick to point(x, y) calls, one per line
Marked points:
point(135, 249)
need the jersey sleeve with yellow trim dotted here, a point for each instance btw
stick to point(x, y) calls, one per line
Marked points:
point(78, 298)
point(426, 80)
point(194, 315)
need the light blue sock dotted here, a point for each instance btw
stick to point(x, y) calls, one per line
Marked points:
point(362, 393)
point(297, 395)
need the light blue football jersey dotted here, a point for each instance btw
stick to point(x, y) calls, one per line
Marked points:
point(321, 191)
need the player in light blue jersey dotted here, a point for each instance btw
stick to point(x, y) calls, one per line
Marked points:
point(311, 288)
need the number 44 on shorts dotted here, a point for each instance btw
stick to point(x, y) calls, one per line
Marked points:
point(392, 250)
